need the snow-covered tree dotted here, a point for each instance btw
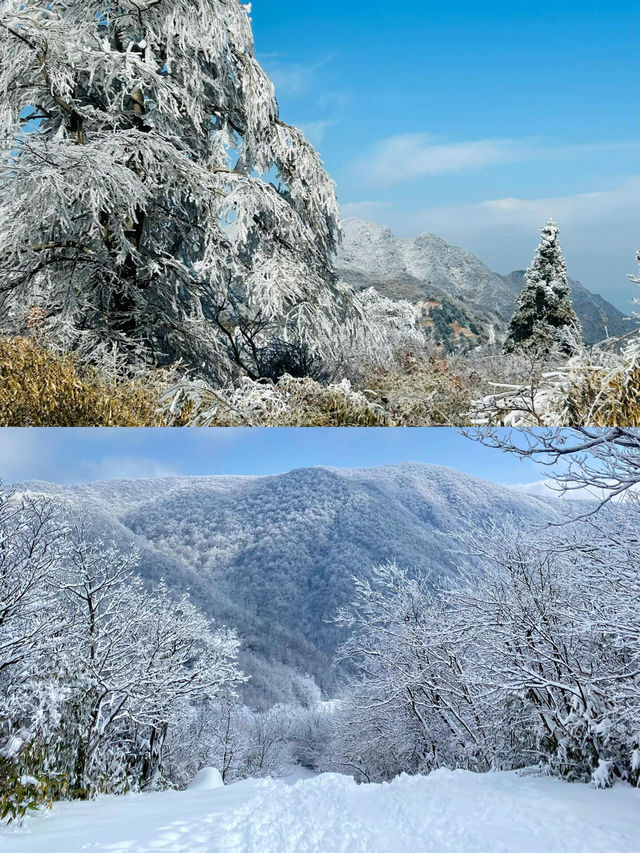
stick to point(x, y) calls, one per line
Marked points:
point(244, 742)
point(553, 625)
point(391, 332)
point(531, 658)
point(30, 622)
point(544, 317)
point(411, 696)
point(151, 199)
point(29, 532)
point(131, 656)
point(94, 668)
point(182, 660)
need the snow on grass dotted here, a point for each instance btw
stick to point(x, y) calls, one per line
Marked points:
point(445, 812)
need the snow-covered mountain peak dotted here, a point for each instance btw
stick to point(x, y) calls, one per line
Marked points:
point(424, 265)
point(368, 247)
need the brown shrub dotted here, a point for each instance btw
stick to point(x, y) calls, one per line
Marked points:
point(604, 395)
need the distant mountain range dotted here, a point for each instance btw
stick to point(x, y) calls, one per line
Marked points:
point(275, 556)
point(460, 297)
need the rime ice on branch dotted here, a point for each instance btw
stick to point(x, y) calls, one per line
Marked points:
point(150, 196)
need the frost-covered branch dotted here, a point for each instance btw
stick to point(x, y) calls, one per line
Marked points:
point(156, 184)
point(531, 656)
point(94, 668)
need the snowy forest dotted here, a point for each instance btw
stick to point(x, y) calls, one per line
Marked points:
point(168, 255)
point(521, 653)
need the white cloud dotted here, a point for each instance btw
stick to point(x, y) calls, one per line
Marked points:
point(579, 210)
point(551, 489)
point(411, 155)
point(315, 130)
point(85, 454)
point(407, 156)
point(293, 79)
point(335, 99)
point(128, 467)
point(364, 209)
point(524, 216)
point(537, 489)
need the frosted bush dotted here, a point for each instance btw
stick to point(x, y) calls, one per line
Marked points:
point(289, 402)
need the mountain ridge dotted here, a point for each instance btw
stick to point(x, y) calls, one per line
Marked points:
point(275, 556)
point(430, 272)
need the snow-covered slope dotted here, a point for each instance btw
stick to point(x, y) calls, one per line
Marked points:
point(429, 269)
point(374, 250)
point(275, 556)
point(116, 496)
point(445, 812)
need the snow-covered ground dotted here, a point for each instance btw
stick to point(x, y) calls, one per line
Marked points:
point(445, 812)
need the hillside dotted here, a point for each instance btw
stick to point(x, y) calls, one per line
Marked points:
point(454, 288)
point(275, 556)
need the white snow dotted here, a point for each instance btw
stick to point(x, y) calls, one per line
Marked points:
point(207, 779)
point(445, 812)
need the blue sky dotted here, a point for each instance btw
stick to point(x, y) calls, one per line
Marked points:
point(473, 120)
point(82, 455)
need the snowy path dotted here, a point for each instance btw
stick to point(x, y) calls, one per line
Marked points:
point(446, 812)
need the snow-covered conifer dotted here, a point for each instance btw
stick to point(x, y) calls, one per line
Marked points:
point(544, 317)
point(151, 199)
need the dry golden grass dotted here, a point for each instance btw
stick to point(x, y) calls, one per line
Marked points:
point(39, 388)
point(604, 397)
point(423, 392)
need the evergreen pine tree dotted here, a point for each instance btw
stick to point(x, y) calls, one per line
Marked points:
point(544, 315)
point(151, 199)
